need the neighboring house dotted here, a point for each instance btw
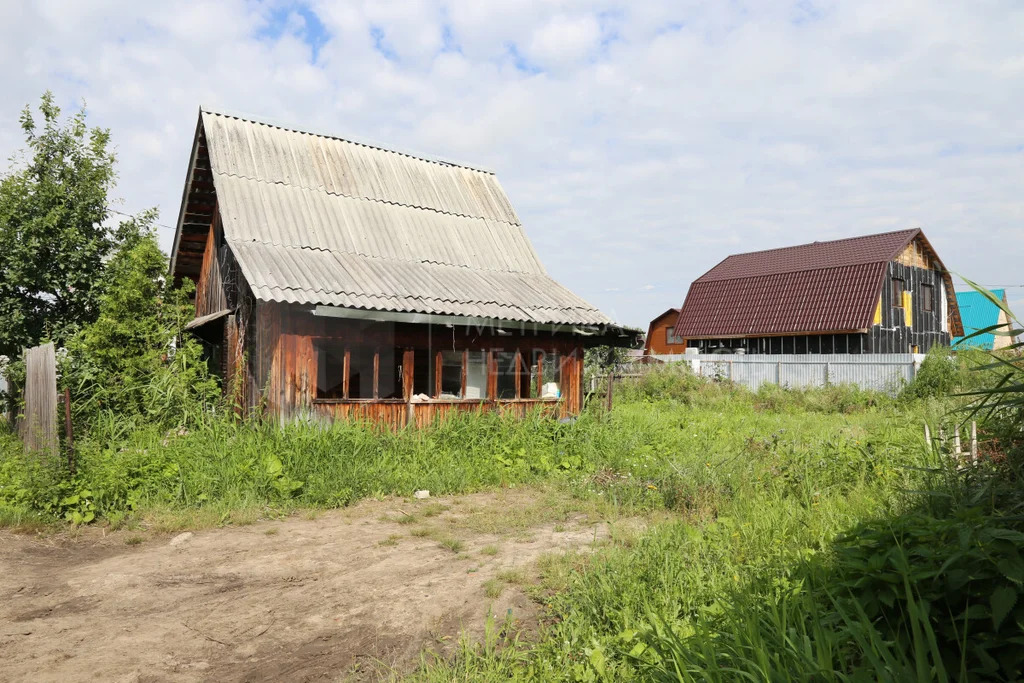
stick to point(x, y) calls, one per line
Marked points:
point(979, 313)
point(661, 335)
point(335, 278)
point(886, 293)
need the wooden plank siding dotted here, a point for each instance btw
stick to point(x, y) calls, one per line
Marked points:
point(210, 295)
point(282, 353)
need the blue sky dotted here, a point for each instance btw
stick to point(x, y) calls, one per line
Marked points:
point(640, 142)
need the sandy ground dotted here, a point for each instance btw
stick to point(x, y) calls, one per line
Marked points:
point(347, 595)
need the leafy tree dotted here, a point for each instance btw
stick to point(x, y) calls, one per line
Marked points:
point(133, 359)
point(52, 239)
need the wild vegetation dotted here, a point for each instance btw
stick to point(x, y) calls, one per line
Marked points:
point(809, 534)
point(806, 535)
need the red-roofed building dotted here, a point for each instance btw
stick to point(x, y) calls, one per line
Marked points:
point(886, 293)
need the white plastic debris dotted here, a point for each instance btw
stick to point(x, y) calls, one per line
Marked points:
point(421, 494)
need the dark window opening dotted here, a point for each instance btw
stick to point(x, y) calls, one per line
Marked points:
point(330, 370)
point(451, 374)
point(927, 294)
point(360, 372)
point(897, 293)
point(389, 373)
point(506, 362)
point(423, 372)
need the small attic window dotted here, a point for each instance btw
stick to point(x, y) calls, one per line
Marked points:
point(897, 293)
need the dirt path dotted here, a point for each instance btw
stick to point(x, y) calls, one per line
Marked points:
point(339, 597)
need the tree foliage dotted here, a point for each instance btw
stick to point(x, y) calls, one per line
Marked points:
point(52, 239)
point(133, 359)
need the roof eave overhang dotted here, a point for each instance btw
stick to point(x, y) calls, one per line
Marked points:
point(184, 196)
point(500, 326)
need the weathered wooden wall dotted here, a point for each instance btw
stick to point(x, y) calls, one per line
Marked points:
point(38, 425)
point(281, 351)
point(210, 294)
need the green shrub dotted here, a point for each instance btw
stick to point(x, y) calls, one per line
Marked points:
point(944, 373)
point(956, 581)
point(670, 381)
point(835, 398)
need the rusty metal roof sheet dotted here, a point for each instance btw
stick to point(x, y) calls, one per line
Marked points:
point(811, 288)
point(321, 220)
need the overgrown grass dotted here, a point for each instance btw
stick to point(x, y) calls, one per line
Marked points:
point(829, 545)
point(780, 507)
point(637, 456)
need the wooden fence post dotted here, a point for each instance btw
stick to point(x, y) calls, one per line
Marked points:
point(927, 435)
point(611, 383)
point(956, 442)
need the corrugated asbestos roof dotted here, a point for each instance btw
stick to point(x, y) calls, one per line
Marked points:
point(320, 220)
point(810, 288)
point(978, 313)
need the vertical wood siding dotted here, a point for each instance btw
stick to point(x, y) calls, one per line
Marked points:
point(210, 296)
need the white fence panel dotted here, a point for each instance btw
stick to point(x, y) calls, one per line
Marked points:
point(878, 371)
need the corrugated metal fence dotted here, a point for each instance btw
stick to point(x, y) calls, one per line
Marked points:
point(879, 371)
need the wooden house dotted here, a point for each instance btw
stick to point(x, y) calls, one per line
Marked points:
point(336, 278)
point(886, 293)
point(661, 335)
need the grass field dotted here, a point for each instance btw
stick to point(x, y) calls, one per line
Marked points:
point(748, 570)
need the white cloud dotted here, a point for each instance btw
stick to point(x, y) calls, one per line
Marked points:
point(656, 138)
point(564, 41)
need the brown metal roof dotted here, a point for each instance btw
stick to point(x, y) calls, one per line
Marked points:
point(811, 288)
point(845, 252)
